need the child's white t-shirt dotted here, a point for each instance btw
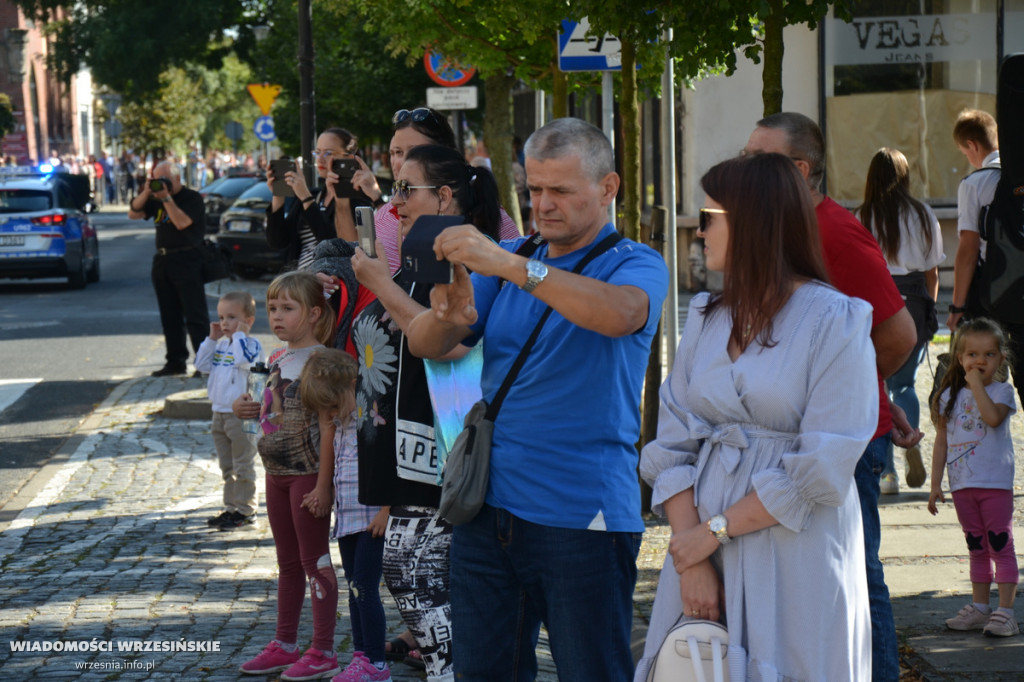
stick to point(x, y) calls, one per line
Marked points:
point(978, 455)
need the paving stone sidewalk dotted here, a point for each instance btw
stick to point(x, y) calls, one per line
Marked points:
point(115, 551)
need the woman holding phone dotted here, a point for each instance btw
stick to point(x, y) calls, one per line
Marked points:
point(422, 126)
point(395, 413)
point(312, 217)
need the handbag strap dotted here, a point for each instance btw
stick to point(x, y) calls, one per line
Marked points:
point(499, 397)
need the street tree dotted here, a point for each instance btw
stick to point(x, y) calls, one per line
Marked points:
point(7, 121)
point(504, 41)
point(358, 84)
point(166, 121)
point(129, 44)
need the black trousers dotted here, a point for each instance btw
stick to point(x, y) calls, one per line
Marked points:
point(178, 283)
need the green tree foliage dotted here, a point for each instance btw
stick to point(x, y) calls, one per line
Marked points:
point(168, 120)
point(358, 84)
point(505, 41)
point(129, 44)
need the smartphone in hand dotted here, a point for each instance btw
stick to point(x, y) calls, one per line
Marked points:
point(419, 262)
point(279, 167)
point(345, 169)
point(366, 231)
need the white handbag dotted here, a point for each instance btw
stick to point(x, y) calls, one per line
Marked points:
point(693, 651)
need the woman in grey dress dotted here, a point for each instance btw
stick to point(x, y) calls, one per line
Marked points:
point(771, 401)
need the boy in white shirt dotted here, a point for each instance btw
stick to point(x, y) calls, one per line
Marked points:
point(226, 354)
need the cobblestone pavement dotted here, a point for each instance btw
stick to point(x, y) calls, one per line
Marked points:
point(113, 552)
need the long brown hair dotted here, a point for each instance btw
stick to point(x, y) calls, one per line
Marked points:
point(887, 197)
point(773, 240)
point(955, 377)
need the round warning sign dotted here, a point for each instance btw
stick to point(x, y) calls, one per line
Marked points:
point(446, 72)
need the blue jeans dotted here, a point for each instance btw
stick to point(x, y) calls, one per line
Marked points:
point(901, 387)
point(885, 665)
point(509, 575)
point(361, 558)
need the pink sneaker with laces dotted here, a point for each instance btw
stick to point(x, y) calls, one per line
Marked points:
point(361, 670)
point(272, 659)
point(314, 665)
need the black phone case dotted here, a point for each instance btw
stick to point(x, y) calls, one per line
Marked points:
point(279, 187)
point(419, 263)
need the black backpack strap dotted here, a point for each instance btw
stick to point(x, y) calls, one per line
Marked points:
point(499, 397)
point(526, 249)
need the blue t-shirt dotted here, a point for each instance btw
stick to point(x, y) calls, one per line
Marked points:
point(564, 450)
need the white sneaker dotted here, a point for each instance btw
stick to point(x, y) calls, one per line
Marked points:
point(1001, 625)
point(969, 618)
point(889, 484)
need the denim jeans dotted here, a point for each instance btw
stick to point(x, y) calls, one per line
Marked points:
point(509, 575)
point(885, 665)
point(901, 387)
point(362, 560)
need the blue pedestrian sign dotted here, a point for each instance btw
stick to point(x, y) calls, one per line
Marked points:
point(264, 129)
point(579, 52)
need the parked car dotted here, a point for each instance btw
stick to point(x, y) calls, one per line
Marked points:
point(242, 235)
point(222, 192)
point(44, 227)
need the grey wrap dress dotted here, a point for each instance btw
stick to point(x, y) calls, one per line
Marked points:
point(791, 422)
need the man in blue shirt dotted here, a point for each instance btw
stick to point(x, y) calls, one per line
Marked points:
point(557, 539)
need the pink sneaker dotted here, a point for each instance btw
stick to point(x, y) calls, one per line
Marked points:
point(271, 660)
point(361, 670)
point(313, 665)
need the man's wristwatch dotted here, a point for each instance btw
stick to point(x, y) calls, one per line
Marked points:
point(718, 526)
point(165, 199)
point(379, 201)
point(956, 309)
point(535, 274)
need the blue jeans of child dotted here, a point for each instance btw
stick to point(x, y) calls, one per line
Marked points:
point(361, 558)
point(885, 665)
point(509, 575)
point(901, 387)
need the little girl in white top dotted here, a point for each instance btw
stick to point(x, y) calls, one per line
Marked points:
point(972, 442)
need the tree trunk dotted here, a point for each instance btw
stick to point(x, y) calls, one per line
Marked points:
point(498, 139)
point(771, 77)
point(631, 178)
point(559, 89)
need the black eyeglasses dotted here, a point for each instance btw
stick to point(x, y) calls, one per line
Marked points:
point(704, 219)
point(420, 115)
point(402, 189)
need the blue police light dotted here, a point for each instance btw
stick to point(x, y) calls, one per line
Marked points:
point(45, 168)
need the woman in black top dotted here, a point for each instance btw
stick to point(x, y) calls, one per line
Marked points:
point(311, 217)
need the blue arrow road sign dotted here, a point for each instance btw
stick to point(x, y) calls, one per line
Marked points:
point(264, 129)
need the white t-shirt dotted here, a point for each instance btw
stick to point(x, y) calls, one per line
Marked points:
point(914, 254)
point(975, 191)
point(977, 455)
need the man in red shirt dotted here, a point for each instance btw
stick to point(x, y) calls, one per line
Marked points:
point(857, 268)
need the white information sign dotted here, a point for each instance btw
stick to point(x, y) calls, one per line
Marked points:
point(448, 99)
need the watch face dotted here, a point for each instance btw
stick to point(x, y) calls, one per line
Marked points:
point(536, 269)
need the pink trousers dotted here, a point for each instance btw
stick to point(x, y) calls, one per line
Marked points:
point(986, 516)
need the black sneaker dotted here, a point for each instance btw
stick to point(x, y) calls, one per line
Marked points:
point(170, 371)
point(218, 519)
point(236, 520)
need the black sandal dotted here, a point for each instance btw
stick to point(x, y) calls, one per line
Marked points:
point(397, 649)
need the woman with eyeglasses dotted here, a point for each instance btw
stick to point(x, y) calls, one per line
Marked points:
point(422, 126)
point(770, 404)
point(312, 217)
point(395, 422)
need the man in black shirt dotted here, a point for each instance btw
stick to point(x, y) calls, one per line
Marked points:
point(180, 218)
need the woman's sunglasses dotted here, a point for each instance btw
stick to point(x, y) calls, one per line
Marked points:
point(419, 115)
point(402, 189)
point(704, 218)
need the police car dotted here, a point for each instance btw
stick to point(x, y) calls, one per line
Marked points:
point(44, 226)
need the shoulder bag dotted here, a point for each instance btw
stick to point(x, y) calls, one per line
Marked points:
point(467, 470)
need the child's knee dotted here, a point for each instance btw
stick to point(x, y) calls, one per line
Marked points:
point(323, 582)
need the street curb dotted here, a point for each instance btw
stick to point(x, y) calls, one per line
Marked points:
point(191, 404)
point(34, 485)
